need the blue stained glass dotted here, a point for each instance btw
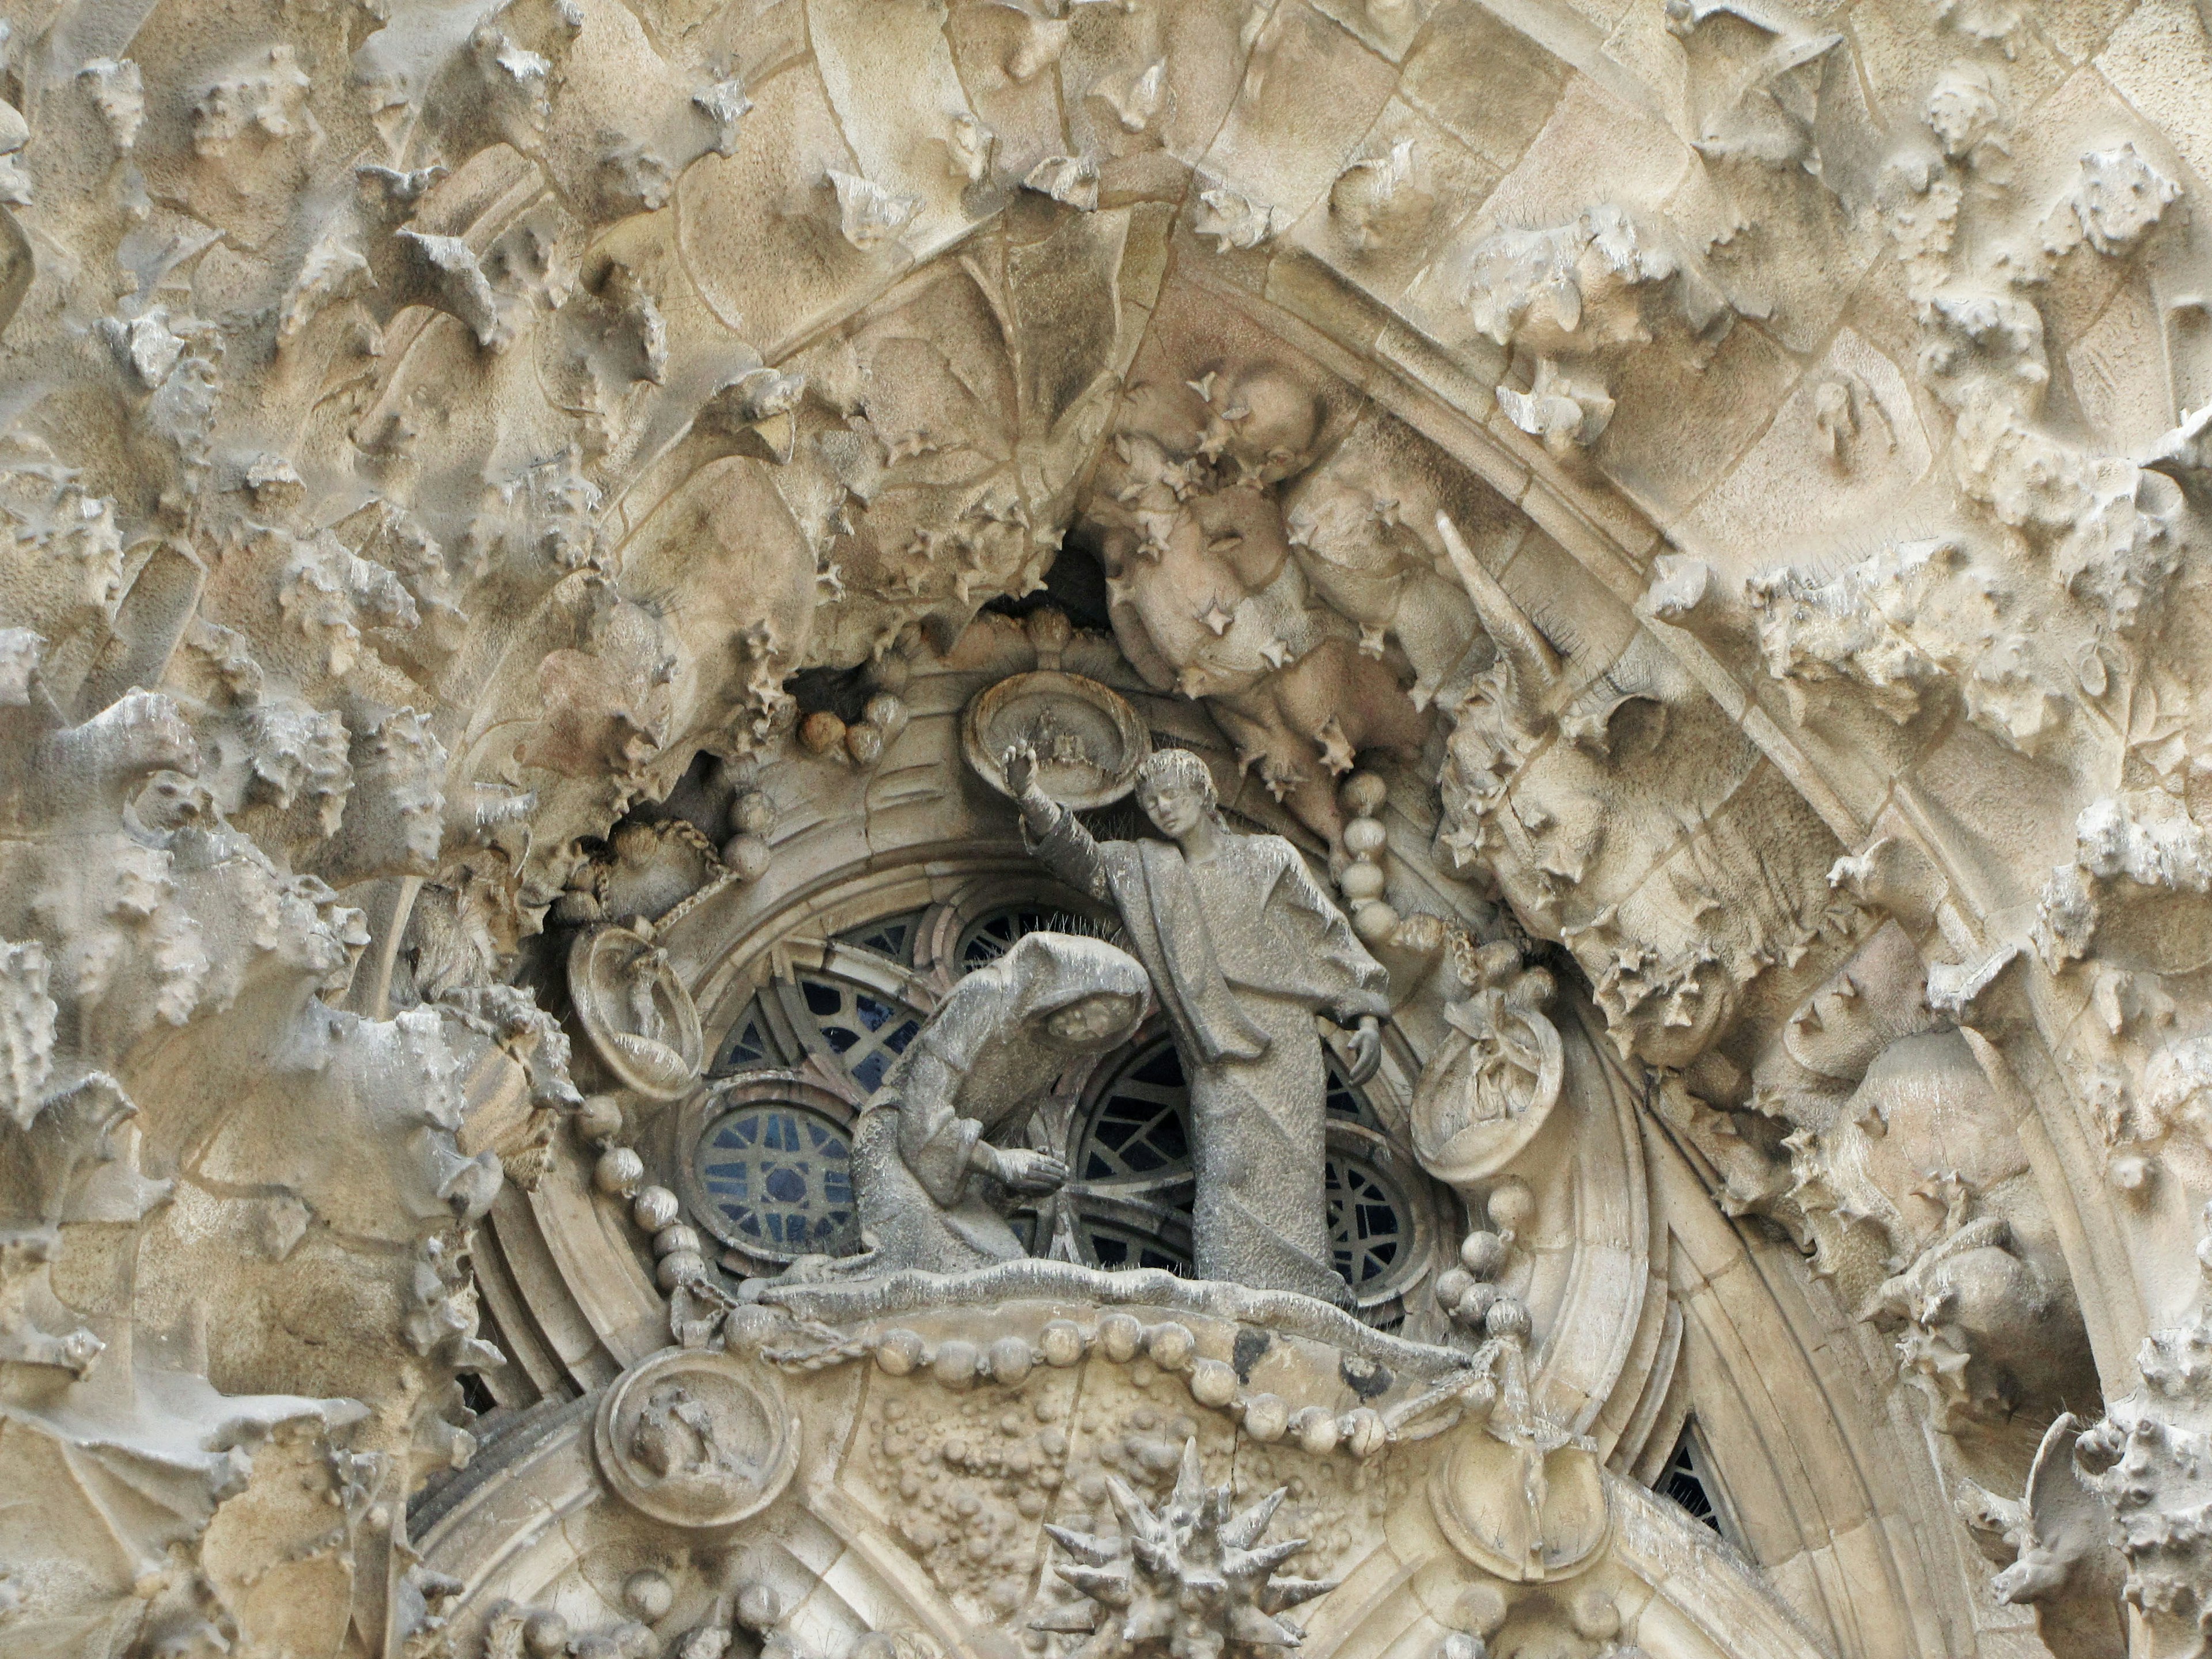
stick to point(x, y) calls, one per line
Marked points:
point(867, 1032)
point(780, 1177)
point(749, 1043)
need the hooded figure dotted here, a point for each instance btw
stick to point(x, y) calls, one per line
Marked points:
point(990, 1049)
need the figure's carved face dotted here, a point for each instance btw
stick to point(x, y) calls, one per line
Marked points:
point(1092, 1022)
point(1174, 805)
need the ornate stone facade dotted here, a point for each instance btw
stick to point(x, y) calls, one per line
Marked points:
point(1105, 829)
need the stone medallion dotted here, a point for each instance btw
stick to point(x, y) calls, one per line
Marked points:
point(1089, 741)
point(638, 1015)
point(695, 1438)
point(1528, 1506)
point(1489, 1089)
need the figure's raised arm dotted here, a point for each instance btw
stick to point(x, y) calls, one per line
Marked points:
point(1050, 831)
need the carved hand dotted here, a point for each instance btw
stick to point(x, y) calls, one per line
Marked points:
point(1366, 1050)
point(1028, 1172)
point(1020, 766)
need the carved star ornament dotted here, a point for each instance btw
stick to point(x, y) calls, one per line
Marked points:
point(1188, 1579)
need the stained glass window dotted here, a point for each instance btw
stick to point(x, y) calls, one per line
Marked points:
point(892, 936)
point(1367, 1225)
point(749, 1043)
point(866, 1031)
point(781, 1177)
point(1687, 1481)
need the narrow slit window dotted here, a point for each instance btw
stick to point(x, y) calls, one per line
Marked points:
point(1688, 1480)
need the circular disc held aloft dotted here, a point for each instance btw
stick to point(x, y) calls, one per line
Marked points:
point(1089, 741)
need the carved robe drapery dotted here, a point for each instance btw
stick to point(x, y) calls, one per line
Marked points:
point(974, 1072)
point(1244, 951)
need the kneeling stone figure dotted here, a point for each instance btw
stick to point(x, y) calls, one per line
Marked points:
point(990, 1051)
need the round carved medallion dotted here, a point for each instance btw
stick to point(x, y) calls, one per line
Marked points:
point(695, 1438)
point(638, 1015)
point(1089, 741)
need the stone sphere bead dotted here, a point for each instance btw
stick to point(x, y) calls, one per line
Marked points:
point(759, 1605)
point(1451, 1285)
point(679, 1267)
point(654, 1208)
point(1364, 1431)
point(599, 1118)
point(955, 1364)
point(1169, 1346)
point(865, 743)
point(1213, 1384)
point(751, 813)
point(1595, 1615)
point(1061, 1341)
point(1315, 1429)
point(1512, 1205)
point(545, 1634)
point(1363, 794)
point(1120, 1335)
point(648, 1595)
point(1049, 629)
point(747, 857)
point(821, 732)
point(1480, 1609)
point(619, 1172)
point(884, 710)
point(746, 1326)
point(673, 1240)
point(1475, 1303)
point(898, 1352)
point(1361, 881)
point(1483, 1254)
point(1364, 838)
point(1375, 922)
point(1265, 1416)
point(1507, 1316)
point(1010, 1358)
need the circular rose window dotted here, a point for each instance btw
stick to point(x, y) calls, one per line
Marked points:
point(771, 1171)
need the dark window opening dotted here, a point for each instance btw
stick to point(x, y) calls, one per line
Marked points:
point(1687, 1481)
point(892, 936)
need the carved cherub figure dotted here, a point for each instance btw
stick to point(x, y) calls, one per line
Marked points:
point(642, 973)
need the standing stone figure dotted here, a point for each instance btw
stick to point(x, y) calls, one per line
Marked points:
point(923, 1151)
point(1243, 951)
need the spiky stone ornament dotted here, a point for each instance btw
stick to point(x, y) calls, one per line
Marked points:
point(1190, 1578)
